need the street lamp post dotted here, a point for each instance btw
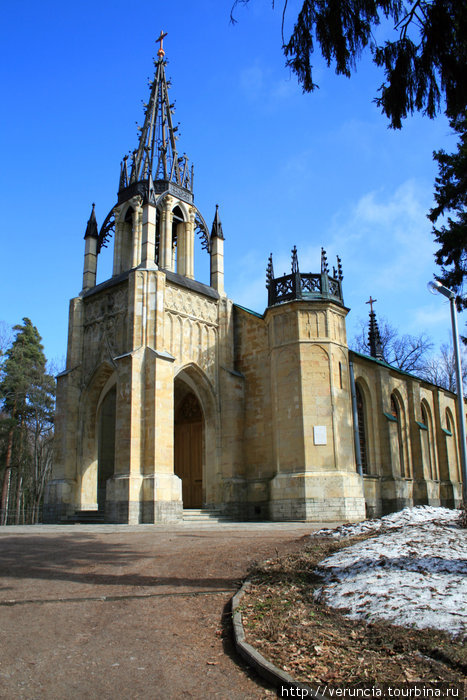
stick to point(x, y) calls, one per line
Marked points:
point(435, 287)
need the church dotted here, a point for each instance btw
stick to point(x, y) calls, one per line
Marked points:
point(175, 398)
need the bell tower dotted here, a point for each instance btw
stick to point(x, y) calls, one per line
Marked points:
point(142, 340)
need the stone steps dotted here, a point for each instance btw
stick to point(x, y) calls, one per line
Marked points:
point(204, 515)
point(192, 515)
point(86, 517)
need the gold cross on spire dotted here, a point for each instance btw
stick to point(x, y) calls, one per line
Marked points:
point(161, 38)
point(371, 301)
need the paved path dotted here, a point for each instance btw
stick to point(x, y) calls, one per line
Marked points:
point(121, 612)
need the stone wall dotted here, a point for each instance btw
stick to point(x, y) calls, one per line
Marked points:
point(414, 458)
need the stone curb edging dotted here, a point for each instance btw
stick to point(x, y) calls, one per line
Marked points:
point(265, 668)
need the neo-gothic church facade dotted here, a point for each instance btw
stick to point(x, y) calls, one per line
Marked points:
point(175, 398)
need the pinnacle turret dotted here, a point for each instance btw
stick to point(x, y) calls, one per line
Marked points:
point(91, 228)
point(216, 231)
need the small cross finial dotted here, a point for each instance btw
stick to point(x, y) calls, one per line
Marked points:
point(161, 38)
point(371, 301)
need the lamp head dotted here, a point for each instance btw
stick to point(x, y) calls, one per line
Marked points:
point(436, 287)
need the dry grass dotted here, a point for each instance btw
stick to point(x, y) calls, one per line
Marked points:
point(317, 644)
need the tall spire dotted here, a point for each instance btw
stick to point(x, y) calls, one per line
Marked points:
point(374, 338)
point(156, 156)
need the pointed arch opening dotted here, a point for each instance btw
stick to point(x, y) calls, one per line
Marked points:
point(362, 428)
point(196, 436)
point(189, 445)
point(428, 454)
point(452, 448)
point(97, 433)
point(106, 444)
point(397, 412)
point(178, 237)
point(124, 241)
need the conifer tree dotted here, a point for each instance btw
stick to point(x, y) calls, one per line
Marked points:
point(27, 403)
point(423, 58)
point(451, 201)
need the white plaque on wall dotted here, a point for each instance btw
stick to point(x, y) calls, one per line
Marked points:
point(319, 435)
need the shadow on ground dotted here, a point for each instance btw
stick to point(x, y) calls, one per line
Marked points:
point(87, 559)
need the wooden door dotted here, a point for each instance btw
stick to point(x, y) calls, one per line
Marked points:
point(188, 451)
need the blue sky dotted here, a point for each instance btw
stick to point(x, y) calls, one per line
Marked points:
point(286, 168)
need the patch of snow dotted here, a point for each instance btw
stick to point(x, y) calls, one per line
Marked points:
point(412, 572)
point(408, 516)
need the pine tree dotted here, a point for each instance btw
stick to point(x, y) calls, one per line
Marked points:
point(423, 58)
point(27, 398)
point(451, 200)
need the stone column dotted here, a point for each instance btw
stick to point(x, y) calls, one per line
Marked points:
point(162, 489)
point(148, 248)
point(166, 235)
point(181, 249)
point(217, 264)
point(61, 495)
point(137, 231)
point(90, 263)
point(117, 243)
point(123, 500)
point(190, 246)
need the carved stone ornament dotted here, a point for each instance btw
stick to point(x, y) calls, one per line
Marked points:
point(111, 304)
point(192, 305)
point(104, 328)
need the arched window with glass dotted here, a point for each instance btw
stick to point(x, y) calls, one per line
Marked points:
point(452, 448)
point(397, 414)
point(429, 458)
point(362, 428)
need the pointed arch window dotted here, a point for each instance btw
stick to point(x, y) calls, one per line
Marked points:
point(362, 430)
point(453, 450)
point(127, 240)
point(397, 415)
point(177, 228)
point(427, 443)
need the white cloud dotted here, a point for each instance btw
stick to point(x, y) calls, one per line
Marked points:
point(259, 83)
point(387, 250)
point(252, 81)
point(390, 243)
point(403, 205)
point(433, 315)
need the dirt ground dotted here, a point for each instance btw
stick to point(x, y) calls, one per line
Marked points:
point(117, 612)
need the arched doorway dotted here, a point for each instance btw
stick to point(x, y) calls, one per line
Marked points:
point(106, 444)
point(188, 445)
